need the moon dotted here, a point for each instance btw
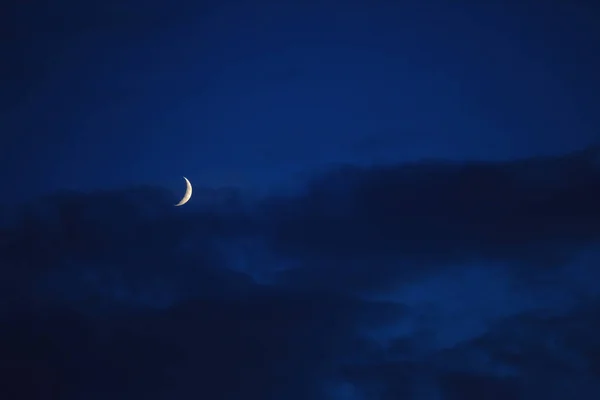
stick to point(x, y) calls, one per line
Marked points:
point(188, 193)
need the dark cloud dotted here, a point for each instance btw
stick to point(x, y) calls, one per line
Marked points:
point(535, 213)
point(374, 283)
point(536, 354)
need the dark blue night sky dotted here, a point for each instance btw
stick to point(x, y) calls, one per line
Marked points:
point(392, 200)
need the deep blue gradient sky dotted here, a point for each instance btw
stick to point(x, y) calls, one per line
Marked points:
point(441, 241)
point(110, 94)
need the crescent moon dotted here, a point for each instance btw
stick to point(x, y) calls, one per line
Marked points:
point(188, 193)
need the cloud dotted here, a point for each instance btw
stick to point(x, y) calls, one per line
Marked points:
point(404, 221)
point(431, 280)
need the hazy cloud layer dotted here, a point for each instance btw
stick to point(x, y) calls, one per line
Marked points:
point(425, 281)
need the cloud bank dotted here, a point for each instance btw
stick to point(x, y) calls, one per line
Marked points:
point(433, 280)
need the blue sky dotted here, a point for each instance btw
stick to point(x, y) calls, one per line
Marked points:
point(245, 95)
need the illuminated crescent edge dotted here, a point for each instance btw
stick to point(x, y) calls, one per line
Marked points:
point(187, 195)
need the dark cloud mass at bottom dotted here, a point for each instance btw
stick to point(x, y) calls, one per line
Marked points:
point(433, 280)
